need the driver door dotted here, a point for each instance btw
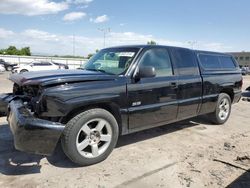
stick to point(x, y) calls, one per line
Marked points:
point(153, 101)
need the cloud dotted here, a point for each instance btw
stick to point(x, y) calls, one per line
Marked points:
point(74, 16)
point(100, 19)
point(213, 46)
point(79, 1)
point(5, 33)
point(42, 42)
point(31, 7)
point(82, 4)
point(39, 35)
point(129, 38)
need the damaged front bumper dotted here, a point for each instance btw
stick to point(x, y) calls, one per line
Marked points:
point(32, 134)
point(4, 102)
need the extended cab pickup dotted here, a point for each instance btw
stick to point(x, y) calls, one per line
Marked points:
point(119, 91)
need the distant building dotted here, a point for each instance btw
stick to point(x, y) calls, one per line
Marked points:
point(243, 58)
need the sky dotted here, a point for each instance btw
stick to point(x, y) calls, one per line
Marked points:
point(77, 27)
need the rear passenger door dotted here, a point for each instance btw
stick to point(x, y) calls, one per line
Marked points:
point(152, 101)
point(189, 93)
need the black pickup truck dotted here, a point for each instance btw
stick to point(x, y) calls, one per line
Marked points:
point(120, 90)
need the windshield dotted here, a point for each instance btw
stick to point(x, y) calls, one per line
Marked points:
point(112, 61)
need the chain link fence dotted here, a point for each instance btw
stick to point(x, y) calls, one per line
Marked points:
point(73, 63)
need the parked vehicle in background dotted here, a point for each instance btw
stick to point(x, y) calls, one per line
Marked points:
point(246, 94)
point(61, 65)
point(35, 66)
point(2, 68)
point(245, 70)
point(120, 90)
point(7, 66)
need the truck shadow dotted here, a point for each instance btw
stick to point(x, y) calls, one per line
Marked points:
point(60, 160)
point(13, 162)
point(242, 181)
point(154, 132)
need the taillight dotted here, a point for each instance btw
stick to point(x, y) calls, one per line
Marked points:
point(241, 83)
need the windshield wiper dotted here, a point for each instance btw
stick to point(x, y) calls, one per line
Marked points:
point(99, 70)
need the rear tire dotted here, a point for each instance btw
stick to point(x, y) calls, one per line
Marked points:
point(222, 111)
point(90, 136)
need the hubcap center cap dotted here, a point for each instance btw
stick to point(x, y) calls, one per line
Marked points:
point(94, 137)
point(224, 107)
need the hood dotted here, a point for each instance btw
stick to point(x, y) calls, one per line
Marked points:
point(55, 77)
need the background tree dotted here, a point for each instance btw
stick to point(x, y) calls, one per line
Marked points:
point(151, 42)
point(12, 50)
point(2, 51)
point(25, 51)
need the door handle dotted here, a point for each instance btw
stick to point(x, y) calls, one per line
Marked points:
point(173, 84)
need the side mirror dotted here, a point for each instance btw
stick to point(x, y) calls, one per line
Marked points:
point(146, 72)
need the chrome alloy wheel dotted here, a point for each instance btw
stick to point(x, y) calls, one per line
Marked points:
point(94, 138)
point(224, 109)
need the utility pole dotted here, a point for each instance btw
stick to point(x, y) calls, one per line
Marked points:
point(73, 46)
point(105, 31)
point(192, 43)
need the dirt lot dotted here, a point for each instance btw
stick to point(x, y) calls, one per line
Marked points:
point(191, 153)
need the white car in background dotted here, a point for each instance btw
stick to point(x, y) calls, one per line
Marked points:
point(2, 68)
point(36, 66)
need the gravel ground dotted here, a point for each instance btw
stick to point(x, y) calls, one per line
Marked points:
point(190, 153)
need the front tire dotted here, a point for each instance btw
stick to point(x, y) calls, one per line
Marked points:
point(90, 136)
point(223, 109)
point(23, 70)
point(9, 68)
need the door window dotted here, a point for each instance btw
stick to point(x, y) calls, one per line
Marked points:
point(160, 60)
point(36, 64)
point(45, 64)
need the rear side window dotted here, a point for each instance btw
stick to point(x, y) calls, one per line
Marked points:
point(210, 62)
point(227, 62)
point(185, 61)
point(216, 62)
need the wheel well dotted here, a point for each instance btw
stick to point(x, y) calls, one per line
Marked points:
point(112, 108)
point(229, 92)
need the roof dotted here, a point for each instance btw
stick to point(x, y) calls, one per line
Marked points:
point(148, 46)
point(210, 52)
point(143, 46)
